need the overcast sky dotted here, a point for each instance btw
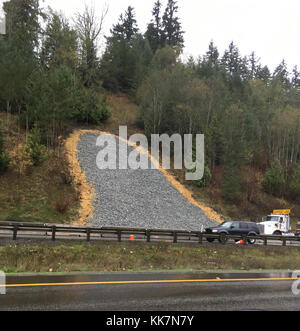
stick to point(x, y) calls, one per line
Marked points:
point(271, 28)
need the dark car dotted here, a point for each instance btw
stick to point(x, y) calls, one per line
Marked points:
point(235, 228)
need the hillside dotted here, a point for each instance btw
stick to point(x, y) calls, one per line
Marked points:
point(54, 81)
point(254, 204)
point(44, 193)
point(47, 193)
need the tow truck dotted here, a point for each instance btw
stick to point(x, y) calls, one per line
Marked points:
point(278, 224)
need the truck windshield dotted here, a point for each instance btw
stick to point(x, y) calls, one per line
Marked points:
point(272, 219)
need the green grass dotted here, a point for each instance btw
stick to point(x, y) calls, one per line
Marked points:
point(32, 197)
point(104, 257)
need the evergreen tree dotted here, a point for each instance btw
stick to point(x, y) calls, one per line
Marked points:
point(15, 68)
point(118, 67)
point(22, 23)
point(143, 56)
point(215, 142)
point(35, 148)
point(171, 26)
point(263, 73)
point(232, 183)
point(296, 78)
point(281, 74)
point(18, 51)
point(126, 28)
point(154, 32)
point(59, 45)
point(212, 55)
point(253, 66)
point(210, 64)
point(236, 68)
point(234, 153)
point(233, 63)
point(87, 109)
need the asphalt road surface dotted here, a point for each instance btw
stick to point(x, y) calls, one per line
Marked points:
point(151, 292)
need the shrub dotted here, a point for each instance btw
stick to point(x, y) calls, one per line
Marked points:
point(104, 109)
point(88, 110)
point(62, 205)
point(34, 147)
point(274, 180)
point(20, 159)
point(204, 182)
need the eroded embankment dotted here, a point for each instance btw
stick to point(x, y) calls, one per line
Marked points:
point(114, 197)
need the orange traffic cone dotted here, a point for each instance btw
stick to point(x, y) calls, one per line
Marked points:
point(131, 238)
point(241, 242)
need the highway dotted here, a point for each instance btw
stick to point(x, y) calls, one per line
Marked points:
point(150, 292)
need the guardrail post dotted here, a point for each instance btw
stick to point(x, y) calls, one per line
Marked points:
point(266, 241)
point(284, 242)
point(175, 238)
point(119, 236)
point(15, 231)
point(223, 238)
point(148, 234)
point(88, 234)
point(245, 240)
point(53, 232)
point(200, 238)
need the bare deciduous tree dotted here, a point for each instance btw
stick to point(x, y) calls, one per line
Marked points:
point(89, 28)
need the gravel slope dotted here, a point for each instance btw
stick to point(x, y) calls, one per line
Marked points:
point(136, 198)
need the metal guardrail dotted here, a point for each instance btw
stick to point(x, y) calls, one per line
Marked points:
point(119, 234)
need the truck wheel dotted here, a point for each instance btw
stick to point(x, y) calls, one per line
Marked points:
point(277, 233)
point(252, 241)
point(210, 240)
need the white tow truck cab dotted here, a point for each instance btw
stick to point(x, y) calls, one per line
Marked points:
point(277, 224)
